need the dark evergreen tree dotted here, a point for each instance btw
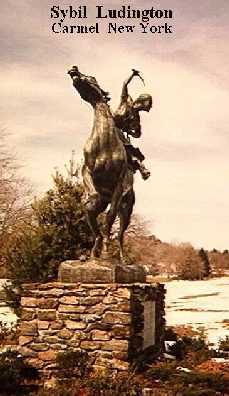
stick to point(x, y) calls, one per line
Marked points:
point(206, 264)
point(62, 221)
point(58, 231)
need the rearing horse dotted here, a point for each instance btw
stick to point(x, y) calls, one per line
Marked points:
point(107, 178)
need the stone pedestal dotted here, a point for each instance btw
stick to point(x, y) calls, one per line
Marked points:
point(100, 271)
point(114, 323)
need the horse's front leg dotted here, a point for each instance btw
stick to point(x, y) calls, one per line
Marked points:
point(124, 212)
point(111, 216)
point(94, 206)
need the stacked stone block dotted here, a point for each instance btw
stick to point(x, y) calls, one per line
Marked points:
point(105, 320)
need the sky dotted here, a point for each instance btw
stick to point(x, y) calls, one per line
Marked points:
point(185, 136)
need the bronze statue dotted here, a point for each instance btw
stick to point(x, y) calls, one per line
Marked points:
point(107, 174)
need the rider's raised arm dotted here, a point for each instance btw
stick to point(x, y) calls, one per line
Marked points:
point(125, 94)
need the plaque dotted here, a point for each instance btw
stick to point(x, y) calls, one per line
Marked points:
point(149, 324)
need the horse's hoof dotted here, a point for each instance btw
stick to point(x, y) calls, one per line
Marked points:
point(95, 253)
point(123, 259)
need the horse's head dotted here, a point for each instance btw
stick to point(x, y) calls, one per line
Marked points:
point(88, 87)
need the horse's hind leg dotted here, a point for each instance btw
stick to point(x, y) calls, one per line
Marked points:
point(94, 207)
point(125, 211)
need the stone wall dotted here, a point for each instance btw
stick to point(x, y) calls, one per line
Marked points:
point(112, 322)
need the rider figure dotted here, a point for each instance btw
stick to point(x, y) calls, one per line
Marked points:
point(127, 120)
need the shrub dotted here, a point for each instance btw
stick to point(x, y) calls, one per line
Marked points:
point(122, 384)
point(73, 363)
point(97, 384)
point(14, 372)
point(73, 388)
point(27, 258)
point(224, 344)
point(8, 334)
point(188, 383)
point(213, 381)
point(170, 334)
point(194, 350)
point(13, 297)
point(162, 371)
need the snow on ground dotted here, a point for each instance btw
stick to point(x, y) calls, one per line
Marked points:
point(199, 304)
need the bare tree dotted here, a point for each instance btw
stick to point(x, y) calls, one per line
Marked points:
point(189, 263)
point(139, 226)
point(219, 262)
point(15, 194)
